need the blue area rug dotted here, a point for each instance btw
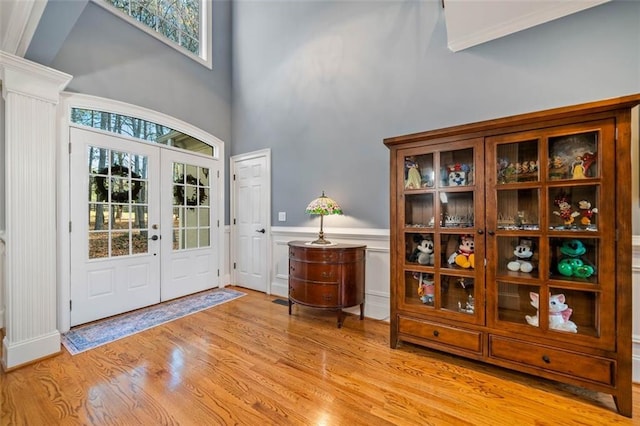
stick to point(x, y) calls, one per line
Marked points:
point(89, 336)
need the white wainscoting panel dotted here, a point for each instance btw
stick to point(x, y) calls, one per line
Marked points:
point(377, 267)
point(1, 280)
point(635, 336)
point(226, 272)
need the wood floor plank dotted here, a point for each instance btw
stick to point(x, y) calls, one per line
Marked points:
point(248, 362)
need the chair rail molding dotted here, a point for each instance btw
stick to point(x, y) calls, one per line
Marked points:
point(31, 93)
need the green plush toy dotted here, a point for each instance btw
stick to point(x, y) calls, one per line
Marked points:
point(572, 265)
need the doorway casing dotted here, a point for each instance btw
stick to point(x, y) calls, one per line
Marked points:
point(75, 100)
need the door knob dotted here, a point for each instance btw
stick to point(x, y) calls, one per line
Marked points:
point(262, 231)
point(154, 238)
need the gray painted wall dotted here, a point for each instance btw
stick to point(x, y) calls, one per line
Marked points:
point(322, 83)
point(110, 58)
point(57, 20)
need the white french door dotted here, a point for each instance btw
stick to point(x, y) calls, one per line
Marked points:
point(115, 213)
point(190, 223)
point(143, 227)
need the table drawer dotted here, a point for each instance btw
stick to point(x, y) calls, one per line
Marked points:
point(586, 367)
point(320, 272)
point(312, 294)
point(314, 255)
point(468, 340)
point(326, 255)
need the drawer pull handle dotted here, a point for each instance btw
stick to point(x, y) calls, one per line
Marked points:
point(546, 359)
point(326, 274)
point(293, 268)
point(327, 297)
point(436, 333)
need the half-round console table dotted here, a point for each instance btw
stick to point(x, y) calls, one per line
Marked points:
point(327, 276)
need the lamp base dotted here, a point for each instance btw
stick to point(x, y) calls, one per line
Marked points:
point(321, 241)
point(325, 244)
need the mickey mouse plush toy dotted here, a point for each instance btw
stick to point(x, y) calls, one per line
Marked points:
point(523, 253)
point(464, 256)
point(423, 253)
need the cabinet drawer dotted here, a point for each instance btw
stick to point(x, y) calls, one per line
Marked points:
point(468, 340)
point(586, 367)
point(320, 272)
point(319, 295)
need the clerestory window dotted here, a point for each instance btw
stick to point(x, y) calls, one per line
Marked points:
point(140, 129)
point(182, 24)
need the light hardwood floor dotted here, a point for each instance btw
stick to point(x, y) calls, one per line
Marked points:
point(248, 362)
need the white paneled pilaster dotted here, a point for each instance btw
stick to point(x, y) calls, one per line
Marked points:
point(31, 93)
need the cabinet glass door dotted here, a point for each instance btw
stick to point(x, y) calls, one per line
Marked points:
point(438, 209)
point(550, 232)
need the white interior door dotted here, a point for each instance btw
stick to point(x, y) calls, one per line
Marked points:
point(115, 200)
point(189, 224)
point(251, 219)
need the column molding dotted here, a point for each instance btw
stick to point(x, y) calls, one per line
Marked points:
point(31, 93)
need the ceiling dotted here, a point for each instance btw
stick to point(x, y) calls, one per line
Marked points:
point(472, 22)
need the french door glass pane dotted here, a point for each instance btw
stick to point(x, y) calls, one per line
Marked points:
point(117, 203)
point(191, 210)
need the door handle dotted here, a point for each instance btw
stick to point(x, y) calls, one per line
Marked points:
point(154, 238)
point(262, 231)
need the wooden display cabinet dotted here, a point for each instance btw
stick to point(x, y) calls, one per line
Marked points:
point(511, 243)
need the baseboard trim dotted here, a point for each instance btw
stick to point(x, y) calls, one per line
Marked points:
point(16, 355)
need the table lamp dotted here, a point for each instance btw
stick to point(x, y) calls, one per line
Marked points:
point(323, 206)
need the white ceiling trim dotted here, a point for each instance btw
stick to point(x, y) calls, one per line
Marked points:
point(473, 22)
point(19, 19)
